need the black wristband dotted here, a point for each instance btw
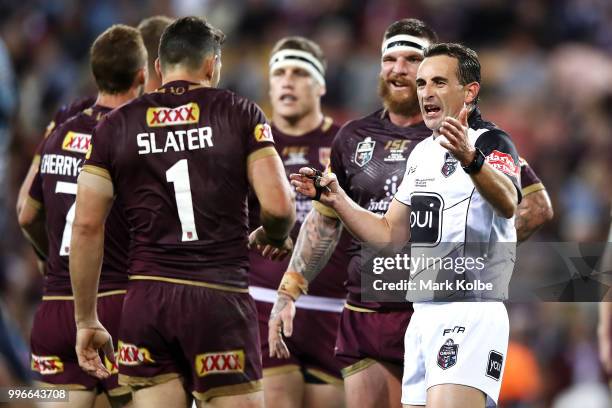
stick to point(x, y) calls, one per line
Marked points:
point(476, 164)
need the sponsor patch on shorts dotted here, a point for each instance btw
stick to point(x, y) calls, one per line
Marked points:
point(47, 365)
point(447, 356)
point(131, 355)
point(223, 362)
point(495, 364)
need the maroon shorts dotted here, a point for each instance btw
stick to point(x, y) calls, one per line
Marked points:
point(368, 337)
point(206, 337)
point(311, 345)
point(53, 338)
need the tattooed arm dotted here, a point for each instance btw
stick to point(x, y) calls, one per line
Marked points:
point(317, 240)
point(315, 244)
point(532, 212)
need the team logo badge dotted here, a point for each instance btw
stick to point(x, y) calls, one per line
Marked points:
point(263, 133)
point(450, 164)
point(324, 156)
point(495, 364)
point(223, 362)
point(364, 151)
point(447, 356)
point(76, 142)
point(181, 115)
point(47, 365)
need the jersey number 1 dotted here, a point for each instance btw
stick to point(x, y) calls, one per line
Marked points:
point(178, 175)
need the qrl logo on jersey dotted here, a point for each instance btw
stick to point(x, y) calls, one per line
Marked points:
point(503, 162)
point(181, 115)
point(76, 142)
point(47, 365)
point(130, 355)
point(220, 363)
point(426, 218)
point(263, 133)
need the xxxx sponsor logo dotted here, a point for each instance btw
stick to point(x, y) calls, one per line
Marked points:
point(263, 133)
point(47, 365)
point(112, 368)
point(220, 363)
point(131, 355)
point(76, 142)
point(180, 115)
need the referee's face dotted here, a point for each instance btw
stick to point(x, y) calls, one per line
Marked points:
point(438, 89)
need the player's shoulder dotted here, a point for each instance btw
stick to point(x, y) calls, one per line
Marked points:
point(367, 120)
point(329, 128)
point(67, 111)
point(485, 130)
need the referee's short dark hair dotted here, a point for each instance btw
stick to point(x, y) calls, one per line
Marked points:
point(468, 65)
point(411, 26)
point(188, 41)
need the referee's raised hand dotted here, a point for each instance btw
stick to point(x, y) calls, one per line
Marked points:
point(456, 133)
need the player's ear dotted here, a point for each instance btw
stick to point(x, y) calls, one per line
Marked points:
point(158, 70)
point(141, 76)
point(322, 90)
point(471, 92)
point(209, 67)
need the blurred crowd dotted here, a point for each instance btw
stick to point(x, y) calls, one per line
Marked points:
point(547, 80)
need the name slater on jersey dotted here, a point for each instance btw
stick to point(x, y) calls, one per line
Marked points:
point(60, 165)
point(175, 141)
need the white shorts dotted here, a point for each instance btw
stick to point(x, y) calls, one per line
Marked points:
point(455, 343)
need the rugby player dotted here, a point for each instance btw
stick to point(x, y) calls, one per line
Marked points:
point(179, 162)
point(64, 113)
point(151, 29)
point(310, 376)
point(454, 350)
point(369, 158)
point(119, 78)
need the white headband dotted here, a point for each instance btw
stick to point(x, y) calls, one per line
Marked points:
point(403, 42)
point(300, 59)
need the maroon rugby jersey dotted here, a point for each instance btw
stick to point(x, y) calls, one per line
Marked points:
point(311, 149)
point(369, 158)
point(177, 158)
point(530, 182)
point(55, 186)
point(64, 113)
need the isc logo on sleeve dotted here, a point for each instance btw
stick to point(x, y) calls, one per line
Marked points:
point(76, 142)
point(181, 115)
point(223, 362)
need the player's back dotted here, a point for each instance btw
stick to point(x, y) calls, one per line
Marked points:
point(179, 168)
point(62, 157)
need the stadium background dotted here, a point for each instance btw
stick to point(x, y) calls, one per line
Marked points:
point(547, 80)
